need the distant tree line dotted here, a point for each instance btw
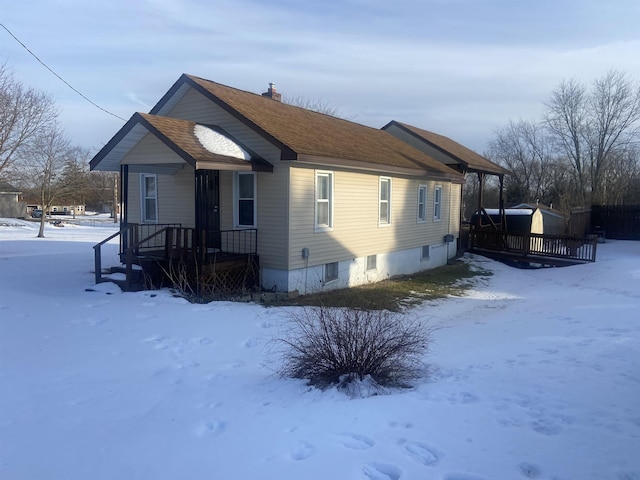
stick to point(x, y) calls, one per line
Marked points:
point(37, 156)
point(584, 151)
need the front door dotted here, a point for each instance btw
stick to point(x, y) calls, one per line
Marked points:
point(208, 206)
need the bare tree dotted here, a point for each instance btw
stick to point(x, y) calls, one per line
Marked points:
point(315, 105)
point(43, 167)
point(23, 112)
point(523, 148)
point(614, 108)
point(567, 120)
point(590, 126)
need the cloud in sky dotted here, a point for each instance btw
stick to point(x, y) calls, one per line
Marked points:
point(461, 68)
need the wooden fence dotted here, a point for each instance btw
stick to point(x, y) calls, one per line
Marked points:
point(620, 222)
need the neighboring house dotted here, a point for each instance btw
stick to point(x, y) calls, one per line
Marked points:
point(58, 209)
point(10, 204)
point(334, 203)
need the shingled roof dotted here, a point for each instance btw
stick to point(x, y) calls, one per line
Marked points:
point(468, 159)
point(180, 136)
point(307, 136)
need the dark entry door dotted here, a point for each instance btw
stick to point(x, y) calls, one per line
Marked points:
point(208, 206)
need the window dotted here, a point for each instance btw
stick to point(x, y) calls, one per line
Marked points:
point(324, 200)
point(422, 203)
point(245, 199)
point(330, 272)
point(385, 201)
point(437, 203)
point(149, 194)
point(425, 252)
point(372, 261)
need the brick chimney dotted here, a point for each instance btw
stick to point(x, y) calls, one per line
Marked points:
point(271, 93)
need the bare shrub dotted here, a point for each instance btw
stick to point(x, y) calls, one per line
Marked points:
point(354, 348)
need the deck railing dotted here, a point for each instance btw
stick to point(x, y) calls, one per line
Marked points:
point(172, 242)
point(535, 245)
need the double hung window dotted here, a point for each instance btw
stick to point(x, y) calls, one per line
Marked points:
point(384, 210)
point(324, 200)
point(245, 196)
point(437, 203)
point(422, 203)
point(149, 200)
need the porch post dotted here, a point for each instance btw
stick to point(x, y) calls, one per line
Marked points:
point(503, 214)
point(124, 202)
point(480, 199)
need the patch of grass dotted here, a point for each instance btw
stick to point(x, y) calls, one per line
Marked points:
point(398, 293)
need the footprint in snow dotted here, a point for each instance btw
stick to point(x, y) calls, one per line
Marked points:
point(422, 453)
point(529, 470)
point(210, 427)
point(355, 441)
point(382, 471)
point(302, 451)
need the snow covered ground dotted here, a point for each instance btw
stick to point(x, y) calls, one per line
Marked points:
point(536, 374)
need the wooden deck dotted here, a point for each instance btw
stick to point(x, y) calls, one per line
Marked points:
point(207, 264)
point(532, 249)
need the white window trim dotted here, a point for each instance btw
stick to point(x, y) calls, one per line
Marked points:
point(438, 217)
point(143, 197)
point(426, 191)
point(324, 274)
point(236, 199)
point(389, 219)
point(375, 261)
point(330, 200)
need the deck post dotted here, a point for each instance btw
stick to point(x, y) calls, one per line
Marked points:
point(98, 263)
point(129, 268)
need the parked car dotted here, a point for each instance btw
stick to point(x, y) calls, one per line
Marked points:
point(36, 213)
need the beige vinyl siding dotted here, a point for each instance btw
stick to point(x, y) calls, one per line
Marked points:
point(356, 232)
point(175, 192)
point(226, 200)
point(176, 202)
point(194, 107)
point(271, 214)
point(454, 219)
point(150, 150)
point(133, 204)
point(273, 211)
point(175, 198)
point(273, 218)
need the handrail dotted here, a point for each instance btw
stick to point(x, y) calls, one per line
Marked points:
point(129, 254)
point(185, 241)
point(97, 253)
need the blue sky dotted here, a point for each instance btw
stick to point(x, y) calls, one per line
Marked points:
point(461, 68)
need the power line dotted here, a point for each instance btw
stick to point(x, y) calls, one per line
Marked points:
point(58, 76)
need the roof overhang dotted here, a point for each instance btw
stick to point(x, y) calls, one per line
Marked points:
point(376, 168)
point(178, 136)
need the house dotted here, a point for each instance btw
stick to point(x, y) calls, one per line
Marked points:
point(10, 204)
point(57, 209)
point(322, 202)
